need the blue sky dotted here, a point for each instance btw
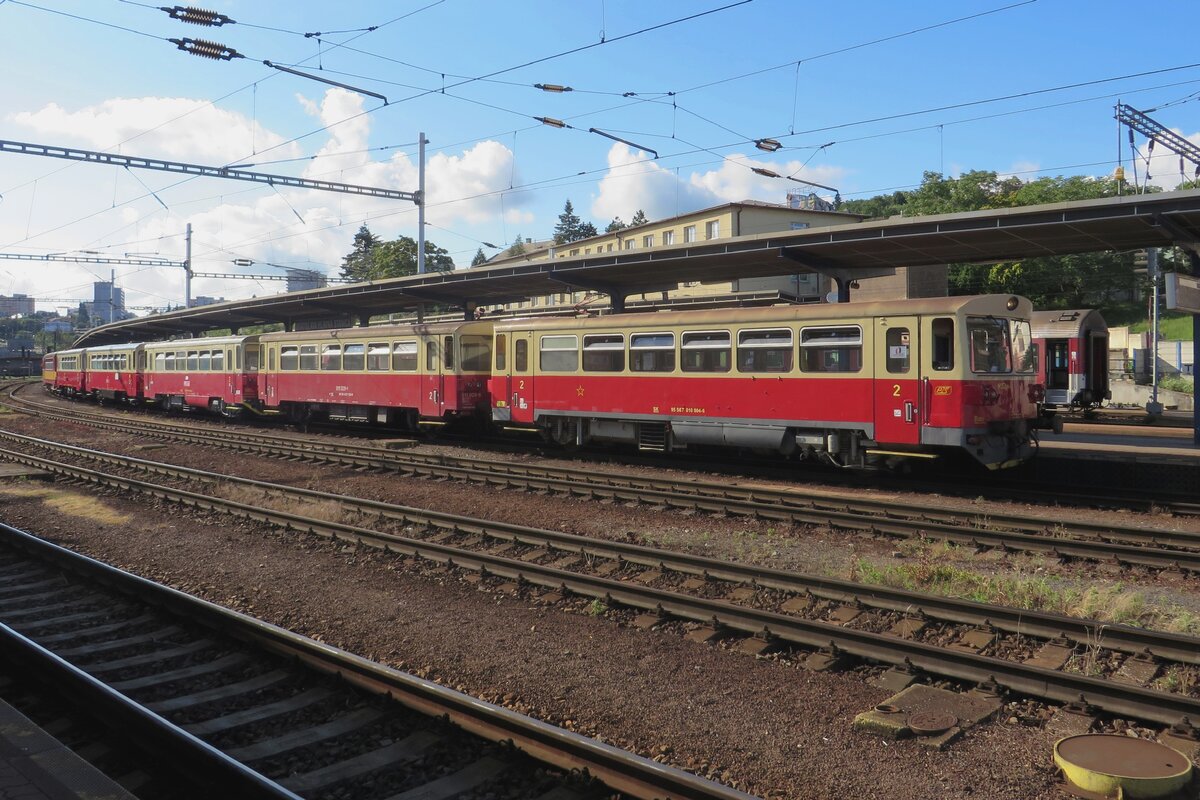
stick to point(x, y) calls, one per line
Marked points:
point(100, 75)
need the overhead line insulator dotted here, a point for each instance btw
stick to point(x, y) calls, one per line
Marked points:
point(206, 49)
point(197, 16)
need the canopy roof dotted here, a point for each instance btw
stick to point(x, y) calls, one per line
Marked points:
point(861, 248)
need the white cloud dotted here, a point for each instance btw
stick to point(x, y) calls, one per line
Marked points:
point(1164, 164)
point(633, 183)
point(208, 134)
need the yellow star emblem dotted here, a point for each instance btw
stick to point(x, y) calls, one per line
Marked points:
point(579, 391)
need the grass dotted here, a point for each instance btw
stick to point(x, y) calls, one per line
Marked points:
point(70, 503)
point(1177, 383)
point(1173, 324)
point(1113, 604)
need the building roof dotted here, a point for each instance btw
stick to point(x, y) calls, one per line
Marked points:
point(1117, 223)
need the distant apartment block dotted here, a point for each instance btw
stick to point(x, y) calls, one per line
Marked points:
point(17, 305)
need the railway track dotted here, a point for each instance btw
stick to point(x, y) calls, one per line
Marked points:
point(943, 637)
point(1157, 548)
point(241, 708)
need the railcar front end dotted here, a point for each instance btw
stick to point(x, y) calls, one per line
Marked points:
point(1072, 351)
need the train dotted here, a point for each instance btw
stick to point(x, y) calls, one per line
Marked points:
point(851, 384)
point(1072, 351)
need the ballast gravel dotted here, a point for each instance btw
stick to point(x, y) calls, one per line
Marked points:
point(763, 725)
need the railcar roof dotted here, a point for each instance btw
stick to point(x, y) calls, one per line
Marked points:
point(184, 344)
point(976, 304)
point(108, 348)
point(1070, 322)
point(380, 331)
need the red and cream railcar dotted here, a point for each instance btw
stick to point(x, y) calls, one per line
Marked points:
point(70, 373)
point(856, 383)
point(49, 371)
point(219, 374)
point(114, 372)
point(402, 375)
point(1073, 354)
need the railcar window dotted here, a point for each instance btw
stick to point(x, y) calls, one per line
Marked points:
point(521, 358)
point(308, 357)
point(193, 360)
point(289, 357)
point(1024, 350)
point(833, 349)
point(355, 358)
point(652, 352)
point(898, 350)
point(160, 362)
point(142, 360)
point(706, 351)
point(205, 360)
point(476, 353)
point(448, 351)
point(331, 357)
point(168, 362)
point(990, 347)
point(404, 357)
point(237, 358)
point(377, 357)
point(943, 343)
point(270, 359)
point(765, 350)
point(559, 353)
point(501, 351)
point(604, 352)
point(431, 355)
point(251, 358)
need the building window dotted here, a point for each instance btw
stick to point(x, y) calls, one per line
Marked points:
point(630, 244)
point(712, 230)
point(648, 240)
point(575, 252)
point(689, 234)
point(610, 247)
point(668, 237)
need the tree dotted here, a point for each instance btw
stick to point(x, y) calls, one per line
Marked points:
point(518, 247)
point(356, 266)
point(1049, 281)
point(568, 227)
point(373, 260)
point(587, 230)
point(616, 225)
point(479, 258)
point(638, 219)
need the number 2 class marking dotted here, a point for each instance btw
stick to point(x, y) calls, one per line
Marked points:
point(895, 390)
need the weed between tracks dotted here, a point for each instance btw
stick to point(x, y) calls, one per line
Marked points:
point(931, 572)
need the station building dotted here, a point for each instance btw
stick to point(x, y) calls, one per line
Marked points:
point(719, 222)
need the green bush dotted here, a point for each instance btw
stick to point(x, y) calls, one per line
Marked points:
point(1178, 383)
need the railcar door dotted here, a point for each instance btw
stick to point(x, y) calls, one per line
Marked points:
point(520, 376)
point(433, 398)
point(897, 381)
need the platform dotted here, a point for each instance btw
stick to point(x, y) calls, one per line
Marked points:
point(36, 766)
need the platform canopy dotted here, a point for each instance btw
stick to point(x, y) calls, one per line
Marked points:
point(854, 249)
